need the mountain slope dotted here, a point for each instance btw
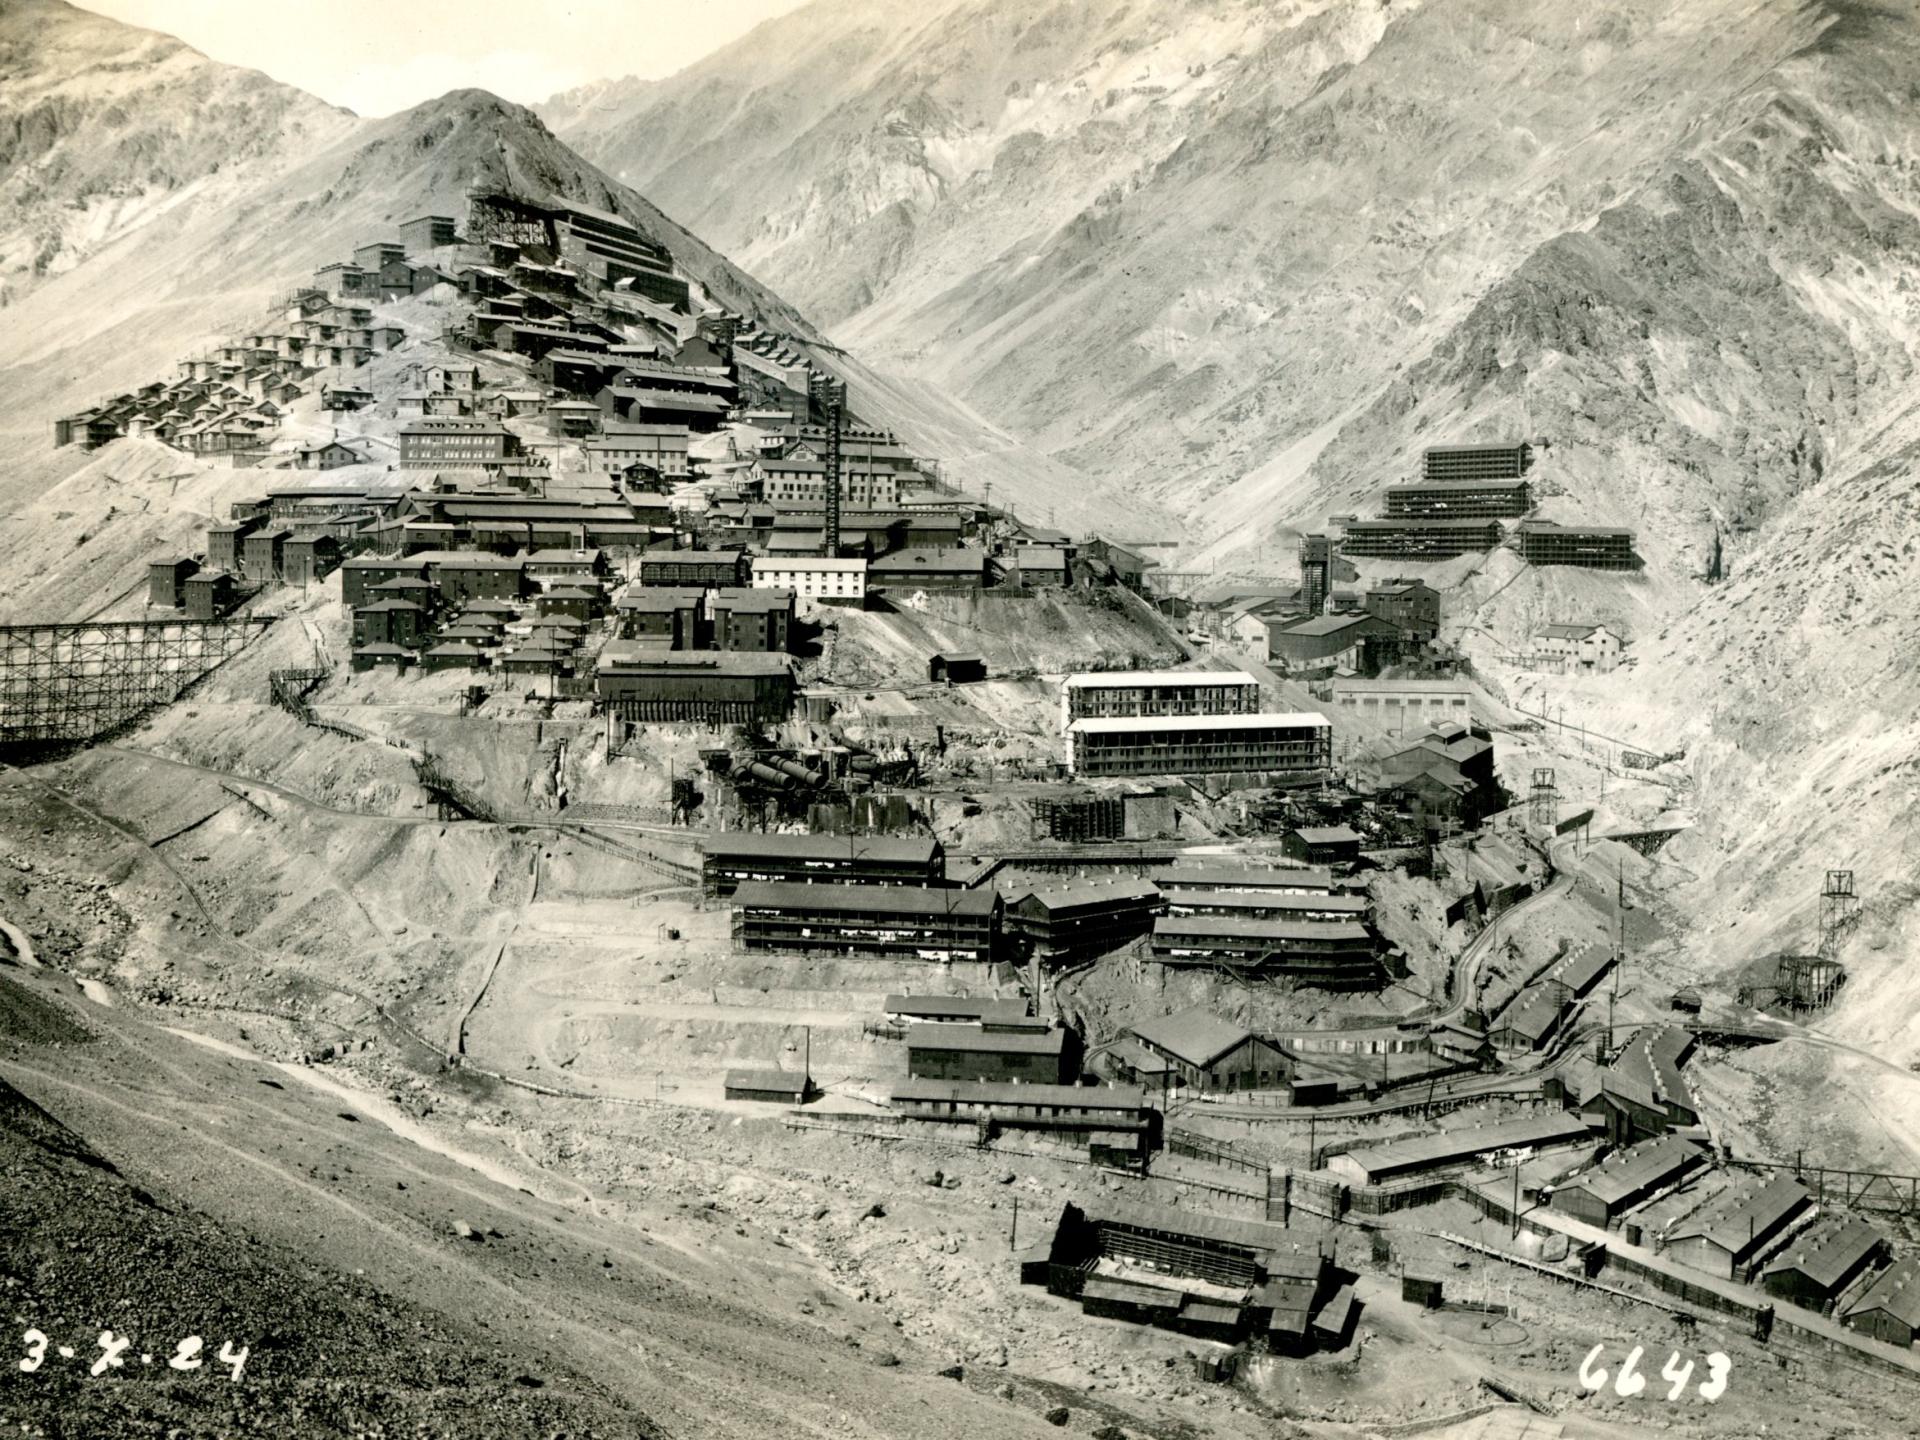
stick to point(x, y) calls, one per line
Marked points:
point(1182, 252)
point(105, 128)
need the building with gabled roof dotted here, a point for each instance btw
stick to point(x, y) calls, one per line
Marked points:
point(875, 921)
point(735, 857)
point(1627, 1178)
point(1206, 1052)
point(1823, 1260)
point(1727, 1237)
point(1889, 1309)
point(1459, 1149)
point(1080, 919)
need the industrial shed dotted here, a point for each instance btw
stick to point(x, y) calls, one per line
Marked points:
point(972, 1052)
point(1209, 1053)
point(773, 1087)
point(1823, 1261)
point(1890, 1308)
point(1627, 1178)
point(1457, 1149)
point(955, 1009)
point(1727, 1237)
point(1238, 877)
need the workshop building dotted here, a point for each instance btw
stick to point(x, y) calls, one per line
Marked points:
point(704, 568)
point(1038, 1055)
point(1627, 1178)
point(1889, 1309)
point(1728, 1236)
point(736, 688)
point(1458, 1149)
point(1820, 1262)
point(1204, 1052)
point(1322, 845)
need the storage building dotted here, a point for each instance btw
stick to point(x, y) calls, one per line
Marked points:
point(1035, 1056)
point(771, 1087)
point(1727, 1237)
point(1822, 1261)
point(1889, 1310)
point(1458, 1149)
point(1627, 1178)
point(1205, 1052)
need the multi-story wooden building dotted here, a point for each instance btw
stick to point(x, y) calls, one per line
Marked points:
point(737, 857)
point(1292, 745)
point(1460, 500)
point(448, 442)
point(1476, 462)
point(1592, 547)
point(874, 921)
point(1099, 694)
point(1083, 919)
point(736, 688)
point(1425, 538)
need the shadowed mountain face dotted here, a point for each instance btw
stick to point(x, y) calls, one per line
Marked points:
point(1246, 260)
point(104, 128)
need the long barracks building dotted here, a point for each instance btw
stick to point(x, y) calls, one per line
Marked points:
point(1423, 538)
point(1287, 744)
point(1476, 462)
point(741, 856)
point(1158, 692)
point(1460, 500)
point(873, 921)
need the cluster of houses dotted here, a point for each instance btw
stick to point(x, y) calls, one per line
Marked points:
point(230, 401)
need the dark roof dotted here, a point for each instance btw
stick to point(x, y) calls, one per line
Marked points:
point(1195, 1035)
point(778, 1082)
point(1897, 1292)
point(863, 899)
point(1829, 1254)
point(1332, 624)
point(1738, 1217)
point(975, 1041)
point(1277, 1241)
point(906, 849)
point(1628, 1173)
point(920, 559)
point(976, 1007)
point(1000, 1092)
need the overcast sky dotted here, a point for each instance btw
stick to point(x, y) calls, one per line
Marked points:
point(379, 56)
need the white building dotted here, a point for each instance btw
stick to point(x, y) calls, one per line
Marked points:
point(1578, 647)
point(815, 575)
point(1414, 701)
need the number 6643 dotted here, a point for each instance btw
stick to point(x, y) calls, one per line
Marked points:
point(1629, 1381)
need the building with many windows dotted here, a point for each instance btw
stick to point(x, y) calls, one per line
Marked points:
point(876, 921)
point(822, 577)
point(438, 442)
point(1292, 744)
point(1157, 692)
point(1476, 462)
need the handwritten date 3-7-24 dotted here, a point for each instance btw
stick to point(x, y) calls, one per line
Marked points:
point(113, 1354)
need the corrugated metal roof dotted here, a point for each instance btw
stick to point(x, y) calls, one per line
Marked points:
point(972, 1040)
point(995, 1092)
point(1830, 1253)
point(1753, 1211)
point(1451, 1146)
point(1627, 1173)
point(1195, 1035)
point(1897, 1292)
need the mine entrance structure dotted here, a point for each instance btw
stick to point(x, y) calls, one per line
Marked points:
point(1839, 908)
point(67, 684)
point(1545, 798)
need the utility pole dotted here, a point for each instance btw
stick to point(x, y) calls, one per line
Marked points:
point(1516, 1198)
point(1013, 1235)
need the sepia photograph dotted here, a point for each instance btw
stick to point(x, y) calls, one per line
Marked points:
point(960, 719)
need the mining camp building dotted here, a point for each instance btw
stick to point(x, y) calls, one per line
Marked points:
point(736, 857)
point(1289, 744)
point(900, 921)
